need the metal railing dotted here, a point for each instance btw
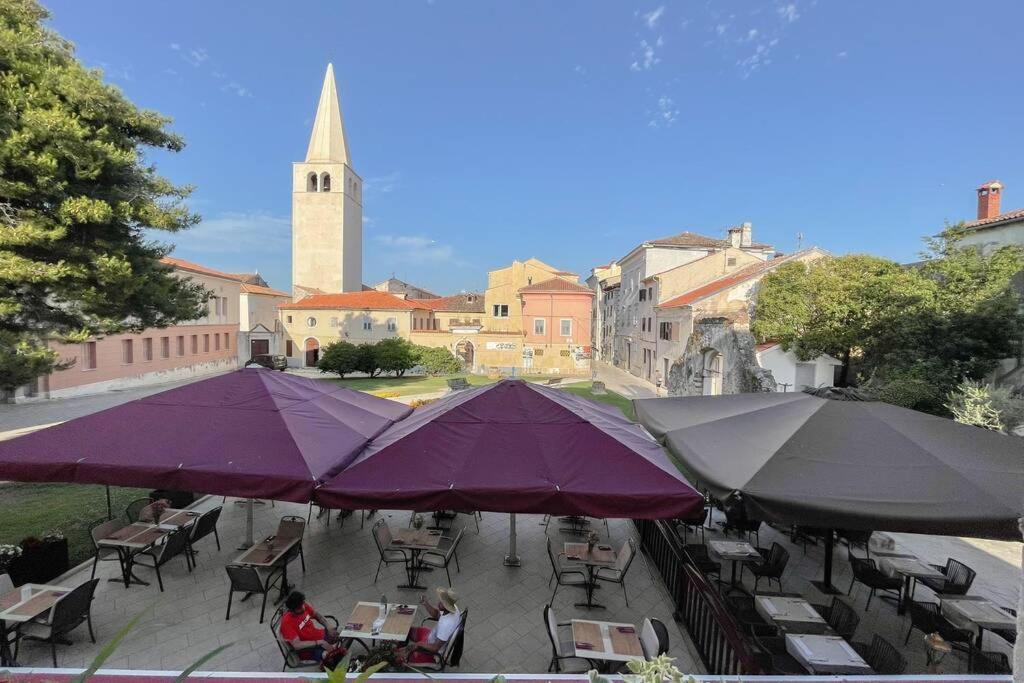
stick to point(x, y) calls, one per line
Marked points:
point(697, 603)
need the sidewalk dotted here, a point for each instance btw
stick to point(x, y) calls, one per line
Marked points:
point(621, 382)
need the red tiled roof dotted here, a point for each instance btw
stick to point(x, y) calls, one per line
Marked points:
point(731, 280)
point(353, 300)
point(459, 303)
point(767, 345)
point(692, 239)
point(1008, 217)
point(191, 267)
point(256, 289)
point(555, 284)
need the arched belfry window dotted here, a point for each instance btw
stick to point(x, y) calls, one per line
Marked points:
point(311, 182)
point(325, 182)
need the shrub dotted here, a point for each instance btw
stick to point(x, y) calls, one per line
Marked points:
point(340, 357)
point(394, 355)
point(420, 402)
point(366, 360)
point(437, 360)
point(981, 405)
point(911, 392)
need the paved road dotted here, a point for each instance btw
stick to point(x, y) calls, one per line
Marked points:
point(621, 382)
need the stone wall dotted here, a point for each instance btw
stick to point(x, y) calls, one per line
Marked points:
point(740, 372)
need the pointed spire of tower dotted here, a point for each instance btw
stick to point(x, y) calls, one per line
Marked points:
point(327, 143)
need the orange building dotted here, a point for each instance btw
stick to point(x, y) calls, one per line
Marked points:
point(556, 322)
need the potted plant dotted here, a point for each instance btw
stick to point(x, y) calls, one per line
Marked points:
point(8, 555)
point(592, 540)
point(417, 522)
point(41, 559)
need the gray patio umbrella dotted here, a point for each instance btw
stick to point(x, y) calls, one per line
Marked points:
point(839, 464)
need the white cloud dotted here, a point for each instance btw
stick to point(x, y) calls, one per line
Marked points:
point(720, 29)
point(580, 69)
point(842, 55)
point(236, 232)
point(417, 249)
point(238, 89)
point(647, 58)
point(117, 73)
point(751, 34)
point(651, 18)
point(195, 56)
point(788, 12)
point(170, 72)
point(382, 184)
point(175, 46)
point(666, 113)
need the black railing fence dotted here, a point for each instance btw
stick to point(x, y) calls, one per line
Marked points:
point(697, 603)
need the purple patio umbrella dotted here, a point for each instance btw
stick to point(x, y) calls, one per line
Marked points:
point(252, 433)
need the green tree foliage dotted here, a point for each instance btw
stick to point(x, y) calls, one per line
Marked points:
point(394, 355)
point(909, 333)
point(981, 405)
point(366, 360)
point(76, 195)
point(341, 357)
point(437, 360)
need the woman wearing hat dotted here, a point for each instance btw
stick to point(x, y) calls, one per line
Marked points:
point(425, 642)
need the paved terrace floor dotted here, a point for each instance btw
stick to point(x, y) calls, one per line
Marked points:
point(505, 631)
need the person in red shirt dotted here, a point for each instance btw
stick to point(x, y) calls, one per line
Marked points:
point(299, 630)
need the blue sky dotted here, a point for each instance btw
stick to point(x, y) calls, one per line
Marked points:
point(571, 131)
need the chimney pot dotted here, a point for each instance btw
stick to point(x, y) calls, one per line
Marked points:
point(735, 236)
point(989, 195)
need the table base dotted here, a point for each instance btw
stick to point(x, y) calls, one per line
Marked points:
point(827, 588)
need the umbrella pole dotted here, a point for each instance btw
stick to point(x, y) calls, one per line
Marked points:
point(825, 585)
point(512, 559)
point(249, 517)
point(110, 513)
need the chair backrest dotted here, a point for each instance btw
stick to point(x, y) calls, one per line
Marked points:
point(551, 624)
point(134, 508)
point(625, 557)
point(649, 640)
point(382, 535)
point(291, 658)
point(662, 632)
point(884, 658)
point(453, 648)
point(958, 576)
point(455, 543)
point(778, 558)
point(551, 556)
point(244, 578)
point(6, 584)
point(291, 526)
point(206, 523)
point(923, 615)
point(696, 551)
point(174, 545)
point(103, 530)
point(843, 619)
point(862, 567)
point(71, 609)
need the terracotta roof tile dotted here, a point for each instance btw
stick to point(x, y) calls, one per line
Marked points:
point(692, 239)
point(1008, 217)
point(731, 280)
point(191, 267)
point(373, 300)
point(471, 302)
point(555, 284)
point(256, 289)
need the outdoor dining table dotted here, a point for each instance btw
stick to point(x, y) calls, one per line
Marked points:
point(821, 654)
point(976, 610)
point(171, 517)
point(270, 552)
point(737, 552)
point(397, 621)
point(415, 541)
point(911, 569)
point(22, 604)
point(592, 558)
point(606, 641)
point(130, 540)
point(790, 614)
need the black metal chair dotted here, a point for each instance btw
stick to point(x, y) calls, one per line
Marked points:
point(856, 537)
point(134, 509)
point(991, 663)
point(736, 520)
point(653, 638)
point(67, 614)
point(382, 537)
point(866, 572)
point(293, 526)
point(926, 618)
point(778, 658)
point(292, 658)
point(842, 618)
point(450, 653)
point(104, 553)
point(447, 550)
point(957, 581)
point(247, 579)
point(882, 656)
point(698, 554)
point(617, 574)
point(176, 543)
point(772, 567)
point(206, 525)
point(561, 648)
point(562, 574)
point(695, 525)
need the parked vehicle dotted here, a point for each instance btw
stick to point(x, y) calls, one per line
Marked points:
point(268, 361)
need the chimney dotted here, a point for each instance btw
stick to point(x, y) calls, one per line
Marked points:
point(988, 199)
point(745, 235)
point(735, 236)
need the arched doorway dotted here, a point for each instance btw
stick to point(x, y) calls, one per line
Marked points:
point(464, 350)
point(312, 352)
point(711, 376)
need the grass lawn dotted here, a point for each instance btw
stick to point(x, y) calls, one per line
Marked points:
point(35, 509)
point(611, 398)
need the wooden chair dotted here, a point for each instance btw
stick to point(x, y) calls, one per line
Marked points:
point(562, 648)
point(248, 579)
point(68, 613)
point(564, 574)
point(881, 656)
point(617, 574)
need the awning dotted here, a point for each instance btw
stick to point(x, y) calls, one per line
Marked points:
point(252, 433)
point(516, 447)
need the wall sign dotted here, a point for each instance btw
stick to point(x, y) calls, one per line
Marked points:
point(501, 346)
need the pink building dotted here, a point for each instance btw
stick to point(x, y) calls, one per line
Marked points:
point(556, 326)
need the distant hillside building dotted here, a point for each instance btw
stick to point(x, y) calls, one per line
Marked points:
point(403, 289)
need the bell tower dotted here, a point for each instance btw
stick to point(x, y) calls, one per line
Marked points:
point(327, 205)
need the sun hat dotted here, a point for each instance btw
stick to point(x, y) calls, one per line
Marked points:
point(449, 598)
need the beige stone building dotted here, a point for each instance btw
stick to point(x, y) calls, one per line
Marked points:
point(403, 289)
point(327, 206)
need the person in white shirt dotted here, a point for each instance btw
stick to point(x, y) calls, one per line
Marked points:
point(423, 642)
